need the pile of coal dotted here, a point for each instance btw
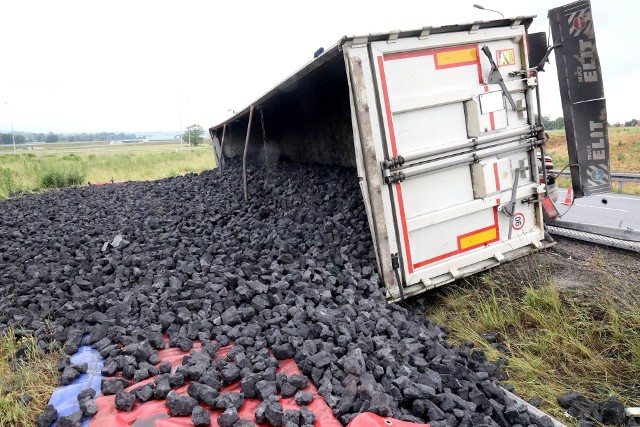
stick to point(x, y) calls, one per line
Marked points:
point(590, 413)
point(289, 274)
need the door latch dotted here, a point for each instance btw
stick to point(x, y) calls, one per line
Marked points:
point(496, 77)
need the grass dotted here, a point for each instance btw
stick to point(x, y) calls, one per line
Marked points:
point(34, 172)
point(557, 340)
point(34, 374)
point(624, 146)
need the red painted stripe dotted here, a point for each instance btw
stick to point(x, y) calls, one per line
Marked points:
point(387, 106)
point(480, 78)
point(404, 55)
point(458, 64)
point(496, 222)
point(491, 117)
point(495, 225)
point(435, 259)
point(405, 233)
point(496, 176)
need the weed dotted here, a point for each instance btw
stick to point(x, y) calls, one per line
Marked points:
point(8, 184)
point(24, 371)
point(622, 157)
point(73, 157)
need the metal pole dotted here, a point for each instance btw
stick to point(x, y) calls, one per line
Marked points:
point(244, 156)
point(13, 136)
point(180, 113)
point(220, 160)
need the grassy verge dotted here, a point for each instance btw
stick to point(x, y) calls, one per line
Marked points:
point(27, 381)
point(30, 172)
point(556, 340)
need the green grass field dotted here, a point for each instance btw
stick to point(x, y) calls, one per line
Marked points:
point(79, 165)
point(624, 146)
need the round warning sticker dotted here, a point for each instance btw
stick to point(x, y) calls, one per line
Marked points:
point(518, 221)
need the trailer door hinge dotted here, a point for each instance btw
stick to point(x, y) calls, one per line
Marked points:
point(393, 162)
point(394, 177)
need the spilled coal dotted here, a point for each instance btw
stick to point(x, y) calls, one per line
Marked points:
point(291, 273)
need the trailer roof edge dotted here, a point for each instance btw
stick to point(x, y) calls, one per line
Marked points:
point(335, 50)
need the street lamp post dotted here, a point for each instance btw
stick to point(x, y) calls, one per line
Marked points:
point(13, 136)
point(477, 6)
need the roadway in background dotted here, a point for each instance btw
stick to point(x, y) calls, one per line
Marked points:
point(608, 209)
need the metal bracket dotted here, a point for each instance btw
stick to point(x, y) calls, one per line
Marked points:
point(515, 23)
point(425, 33)
point(395, 264)
point(360, 41)
point(393, 36)
point(395, 261)
point(474, 28)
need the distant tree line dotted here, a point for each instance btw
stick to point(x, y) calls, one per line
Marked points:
point(22, 137)
point(558, 123)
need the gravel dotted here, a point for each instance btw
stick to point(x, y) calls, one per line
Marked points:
point(289, 274)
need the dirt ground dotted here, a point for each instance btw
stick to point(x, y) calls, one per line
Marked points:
point(576, 264)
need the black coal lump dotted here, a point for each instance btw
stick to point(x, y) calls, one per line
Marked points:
point(124, 400)
point(179, 406)
point(200, 417)
point(47, 417)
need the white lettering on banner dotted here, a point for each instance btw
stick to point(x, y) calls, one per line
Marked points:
point(596, 150)
point(588, 61)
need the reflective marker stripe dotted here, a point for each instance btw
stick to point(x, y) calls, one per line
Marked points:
point(477, 238)
point(456, 57)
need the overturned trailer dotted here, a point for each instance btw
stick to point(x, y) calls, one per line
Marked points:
point(439, 123)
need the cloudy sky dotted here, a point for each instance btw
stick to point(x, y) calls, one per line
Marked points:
point(73, 66)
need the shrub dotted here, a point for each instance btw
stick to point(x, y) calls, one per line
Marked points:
point(73, 157)
point(60, 176)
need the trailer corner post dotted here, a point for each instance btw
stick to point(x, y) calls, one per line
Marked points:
point(244, 155)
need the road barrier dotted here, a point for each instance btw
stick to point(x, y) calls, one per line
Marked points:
point(620, 178)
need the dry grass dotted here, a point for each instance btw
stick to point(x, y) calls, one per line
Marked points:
point(33, 374)
point(586, 340)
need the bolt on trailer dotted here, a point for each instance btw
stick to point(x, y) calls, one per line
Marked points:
point(439, 123)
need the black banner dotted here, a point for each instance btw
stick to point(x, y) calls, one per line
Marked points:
point(582, 94)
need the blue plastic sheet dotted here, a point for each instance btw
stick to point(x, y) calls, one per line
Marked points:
point(64, 398)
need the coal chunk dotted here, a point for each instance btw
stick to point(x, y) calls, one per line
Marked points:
point(303, 398)
point(113, 385)
point(230, 400)
point(47, 417)
point(124, 400)
point(228, 418)
point(179, 406)
point(200, 417)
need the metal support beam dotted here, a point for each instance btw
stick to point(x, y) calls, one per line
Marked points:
point(244, 156)
point(221, 160)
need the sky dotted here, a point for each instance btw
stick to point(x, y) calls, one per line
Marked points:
point(139, 66)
